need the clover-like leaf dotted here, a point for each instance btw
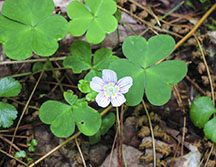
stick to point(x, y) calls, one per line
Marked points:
point(87, 119)
point(70, 97)
point(84, 86)
point(159, 78)
point(9, 87)
point(96, 17)
point(81, 56)
point(20, 154)
point(28, 26)
point(210, 129)
point(107, 122)
point(7, 114)
point(60, 116)
point(201, 110)
point(155, 79)
point(63, 117)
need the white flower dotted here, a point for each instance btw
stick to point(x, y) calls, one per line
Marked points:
point(109, 90)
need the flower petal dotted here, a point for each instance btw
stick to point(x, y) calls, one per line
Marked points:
point(109, 76)
point(124, 84)
point(97, 84)
point(118, 100)
point(102, 100)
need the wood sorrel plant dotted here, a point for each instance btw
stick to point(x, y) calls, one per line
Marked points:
point(63, 117)
point(95, 17)
point(202, 109)
point(9, 87)
point(28, 26)
point(155, 79)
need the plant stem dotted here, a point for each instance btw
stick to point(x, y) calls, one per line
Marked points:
point(207, 69)
point(80, 151)
point(25, 108)
point(53, 71)
point(152, 133)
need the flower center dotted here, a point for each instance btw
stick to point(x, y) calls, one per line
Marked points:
point(111, 89)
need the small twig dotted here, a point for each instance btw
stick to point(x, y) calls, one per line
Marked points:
point(112, 149)
point(152, 133)
point(207, 68)
point(80, 151)
point(55, 76)
point(65, 142)
point(196, 85)
point(196, 26)
point(9, 155)
point(9, 142)
point(31, 60)
point(180, 104)
point(22, 103)
point(121, 137)
point(153, 28)
point(147, 10)
point(212, 148)
point(25, 108)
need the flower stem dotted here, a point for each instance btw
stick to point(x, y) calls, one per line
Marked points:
point(117, 119)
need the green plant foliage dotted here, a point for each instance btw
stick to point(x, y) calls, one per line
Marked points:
point(84, 87)
point(155, 79)
point(201, 110)
point(28, 26)
point(107, 122)
point(9, 87)
point(63, 117)
point(31, 145)
point(95, 17)
point(118, 15)
point(7, 114)
point(40, 66)
point(20, 154)
point(210, 129)
point(81, 56)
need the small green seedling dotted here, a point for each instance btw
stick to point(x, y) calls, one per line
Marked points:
point(9, 88)
point(95, 17)
point(31, 145)
point(41, 66)
point(28, 26)
point(200, 112)
point(20, 154)
point(155, 79)
point(63, 117)
point(84, 87)
point(81, 56)
point(107, 122)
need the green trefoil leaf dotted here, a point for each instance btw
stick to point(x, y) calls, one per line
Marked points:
point(29, 26)
point(95, 18)
point(153, 79)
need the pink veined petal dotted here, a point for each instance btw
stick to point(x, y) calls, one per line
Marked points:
point(118, 100)
point(102, 100)
point(97, 84)
point(109, 76)
point(124, 84)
